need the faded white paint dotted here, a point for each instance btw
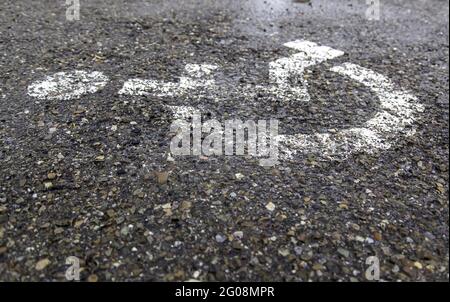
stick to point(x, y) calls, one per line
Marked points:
point(183, 112)
point(397, 113)
point(68, 85)
point(286, 74)
point(286, 78)
point(198, 76)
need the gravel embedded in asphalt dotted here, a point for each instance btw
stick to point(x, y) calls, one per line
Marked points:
point(90, 177)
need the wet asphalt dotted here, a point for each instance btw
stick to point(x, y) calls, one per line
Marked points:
point(70, 186)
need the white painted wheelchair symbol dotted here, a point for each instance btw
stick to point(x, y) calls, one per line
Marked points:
point(395, 117)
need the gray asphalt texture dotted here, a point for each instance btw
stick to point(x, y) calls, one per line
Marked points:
point(109, 203)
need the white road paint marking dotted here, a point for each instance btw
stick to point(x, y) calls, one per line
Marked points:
point(198, 77)
point(200, 71)
point(282, 73)
point(68, 85)
point(287, 73)
point(183, 112)
point(398, 108)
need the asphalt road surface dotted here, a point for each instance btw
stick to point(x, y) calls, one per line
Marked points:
point(92, 177)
